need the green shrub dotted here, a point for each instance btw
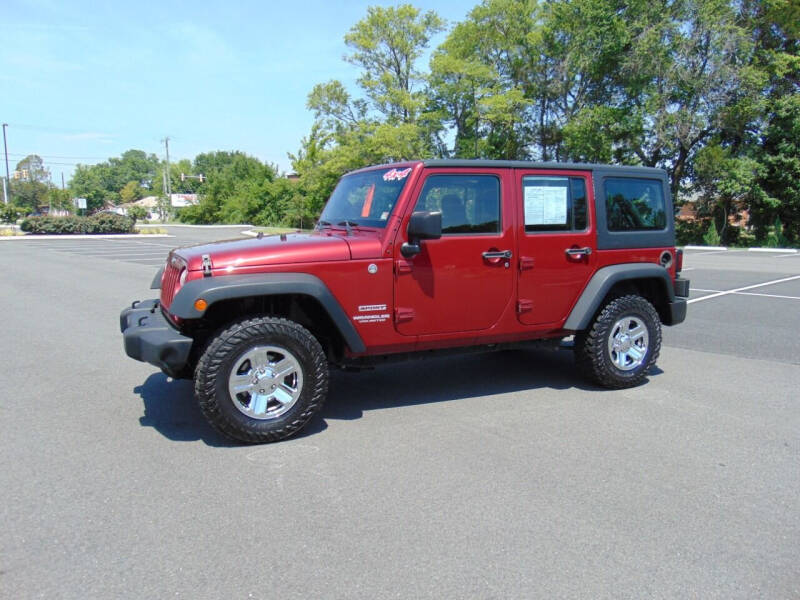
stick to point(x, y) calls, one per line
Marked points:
point(688, 232)
point(98, 223)
point(711, 237)
point(775, 237)
point(731, 235)
point(9, 213)
point(109, 223)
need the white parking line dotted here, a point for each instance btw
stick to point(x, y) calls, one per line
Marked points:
point(793, 254)
point(124, 253)
point(747, 294)
point(767, 295)
point(707, 253)
point(742, 289)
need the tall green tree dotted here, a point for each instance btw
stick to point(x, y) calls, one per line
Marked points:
point(386, 45)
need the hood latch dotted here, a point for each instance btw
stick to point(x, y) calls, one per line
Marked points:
point(206, 265)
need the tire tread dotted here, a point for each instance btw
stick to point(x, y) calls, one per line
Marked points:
point(212, 361)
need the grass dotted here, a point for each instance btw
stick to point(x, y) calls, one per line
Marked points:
point(150, 230)
point(9, 232)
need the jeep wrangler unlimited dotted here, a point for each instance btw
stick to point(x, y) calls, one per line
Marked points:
point(413, 259)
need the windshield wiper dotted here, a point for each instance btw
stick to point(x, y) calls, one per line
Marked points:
point(348, 225)
point(323, 224)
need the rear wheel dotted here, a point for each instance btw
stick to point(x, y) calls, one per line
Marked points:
point(621, 344)
point(262, 379)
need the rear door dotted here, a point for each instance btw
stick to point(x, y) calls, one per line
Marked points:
point(463, 281)
point(557, 242)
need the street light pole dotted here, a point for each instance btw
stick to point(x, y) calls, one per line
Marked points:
point(7, 182)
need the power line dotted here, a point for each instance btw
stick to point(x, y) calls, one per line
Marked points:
point(22, 154)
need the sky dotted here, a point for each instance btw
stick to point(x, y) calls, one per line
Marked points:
point(81, 81)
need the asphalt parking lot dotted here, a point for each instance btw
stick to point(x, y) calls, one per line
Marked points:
point(492, 476)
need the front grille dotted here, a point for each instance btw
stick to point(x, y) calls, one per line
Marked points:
point(169, 283)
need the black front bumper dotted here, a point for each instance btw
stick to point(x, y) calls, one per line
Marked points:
point(151, 338)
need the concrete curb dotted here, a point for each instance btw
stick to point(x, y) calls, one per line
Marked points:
point(777, 250)
point(84, 236)
point(724, 248)
point(193, 226)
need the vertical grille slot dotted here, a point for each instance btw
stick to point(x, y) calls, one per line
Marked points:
point(171, 275)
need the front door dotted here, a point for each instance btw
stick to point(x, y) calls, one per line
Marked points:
point(557, 242)
point(464, 280)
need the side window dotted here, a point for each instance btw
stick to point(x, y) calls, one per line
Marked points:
point(635, 204)
point(554, 203)
point(469, 203)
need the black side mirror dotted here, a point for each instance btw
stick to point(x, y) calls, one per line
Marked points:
point(424, 225)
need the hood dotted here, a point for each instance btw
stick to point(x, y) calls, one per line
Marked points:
point(269, 250)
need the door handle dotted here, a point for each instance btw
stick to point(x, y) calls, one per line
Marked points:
point(497, 254)
point(578, 252)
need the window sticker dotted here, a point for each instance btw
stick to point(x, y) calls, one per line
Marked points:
point(396, 174)
point(545, 205)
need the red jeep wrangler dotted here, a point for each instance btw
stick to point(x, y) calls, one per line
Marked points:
point(412, 259)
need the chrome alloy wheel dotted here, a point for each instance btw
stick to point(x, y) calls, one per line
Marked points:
point(265, 382)
point(628, 342)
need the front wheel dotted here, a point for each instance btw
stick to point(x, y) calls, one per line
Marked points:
point(621, 344)
point(261, 380)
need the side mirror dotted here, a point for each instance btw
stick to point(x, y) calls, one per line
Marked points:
point(424, 225)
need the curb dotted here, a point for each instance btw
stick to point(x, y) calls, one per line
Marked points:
point(778, 250)
point(723, 248)
point(192, 226)
point(84, 236)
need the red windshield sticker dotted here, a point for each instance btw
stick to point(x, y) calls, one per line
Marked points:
point(368, 201)
point(396, 174)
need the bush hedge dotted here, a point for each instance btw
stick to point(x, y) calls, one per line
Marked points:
point(98, 223)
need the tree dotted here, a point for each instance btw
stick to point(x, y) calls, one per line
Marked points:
point(386, 44)
point(131, 192)
point(31, 168)
point(30, 191)
point(137, 212)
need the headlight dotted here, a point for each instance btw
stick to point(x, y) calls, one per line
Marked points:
point(182, 278)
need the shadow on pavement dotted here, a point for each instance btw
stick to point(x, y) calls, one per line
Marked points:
point(443, 379)
point(170, 407)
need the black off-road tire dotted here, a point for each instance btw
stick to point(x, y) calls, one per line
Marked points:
point(591, 346)
point(213, 369)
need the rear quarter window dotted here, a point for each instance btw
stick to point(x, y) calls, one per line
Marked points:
point(634, 204)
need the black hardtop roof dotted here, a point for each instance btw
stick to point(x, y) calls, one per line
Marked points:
point(481, 163)
point(528, 164)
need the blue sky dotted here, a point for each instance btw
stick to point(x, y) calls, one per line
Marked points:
point(83, 81)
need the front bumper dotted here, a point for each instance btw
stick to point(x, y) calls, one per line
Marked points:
point(150, 338)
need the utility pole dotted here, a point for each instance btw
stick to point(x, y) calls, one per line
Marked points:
point(62, 180)
point(169, 183)
point(6, 182)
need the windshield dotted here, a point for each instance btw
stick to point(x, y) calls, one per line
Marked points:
point(365, 198)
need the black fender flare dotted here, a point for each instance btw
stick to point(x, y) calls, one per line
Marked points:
point(227, 287)
point(156, 283)
point(602, 282)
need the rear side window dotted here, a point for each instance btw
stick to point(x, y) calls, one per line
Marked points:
point(635, 204)
point(553, 203)
point(469, 203)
